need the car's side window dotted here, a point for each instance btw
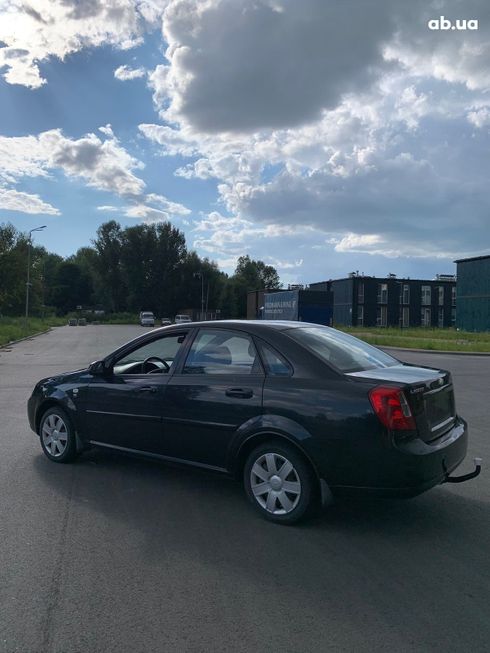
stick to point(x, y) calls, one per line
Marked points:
point(275, 364)
point(154, 357)
point(216, 351)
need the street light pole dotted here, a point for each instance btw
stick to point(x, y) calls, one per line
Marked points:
point(202, 296)
point(28, 283)
point(200, 274)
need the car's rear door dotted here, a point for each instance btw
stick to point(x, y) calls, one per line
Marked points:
point(211, 394)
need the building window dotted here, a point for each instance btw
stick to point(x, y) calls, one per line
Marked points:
point(441, 295)
point(425, 301)
point(453, 296)
point(405, 317)
point(360, 292)
point(382, 293)
point(405, 294)
point(381, 314)
point(440, 317)
point(453, 316)
point(360, 315)
point(425, 317)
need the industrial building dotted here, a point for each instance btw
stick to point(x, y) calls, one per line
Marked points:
point(303, 305)
point(292, 304)
point(473, 295)
point(360, 300)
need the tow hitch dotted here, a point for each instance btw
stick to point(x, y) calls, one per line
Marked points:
point(465, 477)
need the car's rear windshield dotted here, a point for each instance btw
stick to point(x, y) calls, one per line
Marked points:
point(146, 314)
point(342, 351)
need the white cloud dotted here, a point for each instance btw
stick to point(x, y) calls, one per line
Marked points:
point(107, 208)
point(33, 31)
point(224, 236)
point(356, 242)
point(101, 163)
point(22, 156)
point(13, 200)
point(480, 117)
point(155, 208)
point(385, 150)
point(107, 130)
point(124, 73)
point(172, 141)
point(284, 265)
point(242, 65)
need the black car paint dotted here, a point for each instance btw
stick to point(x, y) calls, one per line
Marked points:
point(326, 414)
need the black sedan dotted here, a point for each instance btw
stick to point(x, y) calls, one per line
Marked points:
point(298, 411)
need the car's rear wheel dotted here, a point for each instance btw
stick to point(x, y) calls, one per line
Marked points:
point(57, 436)
point(278, 482)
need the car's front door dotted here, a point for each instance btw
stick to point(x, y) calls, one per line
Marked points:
point(124, 408)
point(211, 394)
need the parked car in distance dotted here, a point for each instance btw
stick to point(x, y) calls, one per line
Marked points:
point(82, 321)
point(298, 411)
point(165, 321)
point(182, 319)
point(147, 318)
point(72, 321)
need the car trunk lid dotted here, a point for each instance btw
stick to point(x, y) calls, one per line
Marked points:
point(429, 393)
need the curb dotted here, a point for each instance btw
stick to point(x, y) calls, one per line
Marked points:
point(33, 335)
point(435, 351)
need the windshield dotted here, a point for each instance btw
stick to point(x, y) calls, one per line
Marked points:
point(147, 315)
point(342, 351)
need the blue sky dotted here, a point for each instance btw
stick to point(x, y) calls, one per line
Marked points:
point(319, 139)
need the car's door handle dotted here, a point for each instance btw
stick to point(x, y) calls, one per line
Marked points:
point(146, 388)
point(243, 393)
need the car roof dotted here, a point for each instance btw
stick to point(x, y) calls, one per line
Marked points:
point(255, 325)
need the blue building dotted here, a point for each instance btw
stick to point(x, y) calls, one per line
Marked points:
point(473, 294)
point(360, 300)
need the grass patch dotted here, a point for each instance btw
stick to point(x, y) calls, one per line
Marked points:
point(14, 328)
point(423, 338)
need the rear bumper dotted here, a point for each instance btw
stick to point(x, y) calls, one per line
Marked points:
point(416, 466)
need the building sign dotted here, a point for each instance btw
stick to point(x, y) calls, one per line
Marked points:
point(281, 305)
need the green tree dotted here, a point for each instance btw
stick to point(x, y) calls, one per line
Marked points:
point(256, 275)
point(151, 258)
point(13, 269)
point(45, 269)
point(108, 245)
point(72, 287)
point(252, 275)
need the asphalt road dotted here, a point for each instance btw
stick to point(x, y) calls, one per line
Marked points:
point(114, 554)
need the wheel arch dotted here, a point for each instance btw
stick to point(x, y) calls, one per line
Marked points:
point(57, 403)
point(263, 436)
point(44, 407)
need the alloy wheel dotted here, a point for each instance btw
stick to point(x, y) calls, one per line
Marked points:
point(275, 483)
point(55, 435)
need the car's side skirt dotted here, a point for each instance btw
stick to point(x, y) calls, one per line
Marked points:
point(158, 456)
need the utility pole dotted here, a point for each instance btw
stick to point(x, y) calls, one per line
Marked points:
point(200, 274)
point(28, 283)
point(202, 296)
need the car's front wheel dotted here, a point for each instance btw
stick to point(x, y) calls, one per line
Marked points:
point(278, 482)
point(57, 436)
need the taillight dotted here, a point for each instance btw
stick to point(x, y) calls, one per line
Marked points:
point(392, 408)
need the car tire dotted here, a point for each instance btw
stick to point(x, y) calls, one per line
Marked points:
point(57, 435)
point(279, 482)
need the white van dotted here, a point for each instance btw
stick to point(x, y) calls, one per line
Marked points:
point(181, 319)
point(147, 318)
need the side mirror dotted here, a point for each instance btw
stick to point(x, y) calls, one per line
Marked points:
point(97, 368)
